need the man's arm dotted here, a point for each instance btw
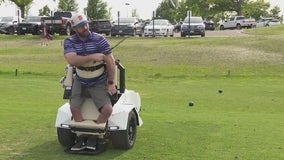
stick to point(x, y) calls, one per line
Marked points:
point(110, 66)
point(77, 60)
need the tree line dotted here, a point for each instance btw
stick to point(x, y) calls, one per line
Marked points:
point(176, 10)
point(173, 10)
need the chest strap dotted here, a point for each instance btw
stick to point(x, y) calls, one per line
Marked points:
point(92, 68)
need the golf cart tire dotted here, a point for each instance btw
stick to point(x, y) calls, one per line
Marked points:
point(66, 137)
point(125, 139)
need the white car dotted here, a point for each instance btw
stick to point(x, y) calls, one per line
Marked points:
point(265, 22)
point(162, 27)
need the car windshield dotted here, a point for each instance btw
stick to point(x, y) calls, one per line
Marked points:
point(159, 22)
point(7, 19)
point(193, 20)
point(33, 19)
point(125, 20)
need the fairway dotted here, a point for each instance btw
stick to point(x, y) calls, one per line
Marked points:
point(245, 121)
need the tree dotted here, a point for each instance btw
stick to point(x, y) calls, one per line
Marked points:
point(45, 11)
point(256, 9)
point(68, 5)
point(24, 5)
point(166, 10)
point(275, 12)
point(97, 9)
point(229, 5)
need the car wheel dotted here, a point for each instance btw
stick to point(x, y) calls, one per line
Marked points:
point(66, 137)
point(125, 139)
point(239, 27)
point(19, 32)
point(11, 30)
point(222, 28)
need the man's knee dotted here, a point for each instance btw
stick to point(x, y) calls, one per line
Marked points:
point(106, 110)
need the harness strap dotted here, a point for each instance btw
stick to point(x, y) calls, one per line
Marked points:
point(92, 68)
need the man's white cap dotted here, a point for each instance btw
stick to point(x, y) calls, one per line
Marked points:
point(78, 20)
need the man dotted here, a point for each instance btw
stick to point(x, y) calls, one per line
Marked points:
point(91, 54)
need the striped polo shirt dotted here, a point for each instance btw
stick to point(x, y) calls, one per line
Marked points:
point(94, 43)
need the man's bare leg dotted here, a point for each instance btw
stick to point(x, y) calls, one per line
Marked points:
point(105, 113)
point(76, 113)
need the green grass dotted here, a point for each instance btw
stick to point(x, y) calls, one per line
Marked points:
point(244, 122)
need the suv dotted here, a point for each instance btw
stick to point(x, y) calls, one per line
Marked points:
point(127, 26)
point(197, 27)
point(100, 26)
point(30, 25)
point(8, 25)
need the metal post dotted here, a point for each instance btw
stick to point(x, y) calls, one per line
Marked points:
point(18, 13)
point(118, 14)
point(153, 30)
point(189, 15)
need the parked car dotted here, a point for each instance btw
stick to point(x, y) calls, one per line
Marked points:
point(31, 25)
point(127, 26)
point(265, 22)
point(274, 22)
point(145, 23)
point(8, 25)
point(102, 26)
point(209, 25)
point(162, 27)
point(197, 27)
point(178, 27)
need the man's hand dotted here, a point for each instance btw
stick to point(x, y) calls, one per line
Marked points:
point(111, 89)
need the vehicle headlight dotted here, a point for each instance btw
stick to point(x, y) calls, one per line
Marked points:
point(200, 27)
point(184, 27)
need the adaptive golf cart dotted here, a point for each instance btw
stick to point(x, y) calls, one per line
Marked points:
point(121, 127)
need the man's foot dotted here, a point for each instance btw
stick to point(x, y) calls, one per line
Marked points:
point(80, 144)
point(92, 143)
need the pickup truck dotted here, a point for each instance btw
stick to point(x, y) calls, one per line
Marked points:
point(238, 22)
point(59, 22)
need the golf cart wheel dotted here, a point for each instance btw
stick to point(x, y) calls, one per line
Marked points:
point(66, 137)
point(125, 139)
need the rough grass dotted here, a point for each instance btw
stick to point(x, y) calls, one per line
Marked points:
point(244, 122)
